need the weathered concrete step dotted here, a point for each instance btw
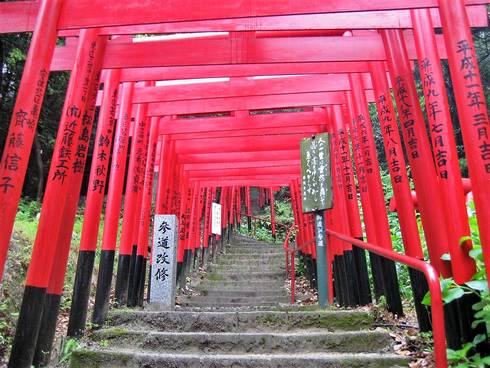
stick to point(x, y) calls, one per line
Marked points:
point(251, 263)
point(227, 306)
point(246, 342)
point(259, 249)
point(243, 258)
point(242, 292)
point(230, 276)
point(244, 300)
point(243, 284)
point(242, 321)
point(131, 359)
point(233, 268)
point(249, 249)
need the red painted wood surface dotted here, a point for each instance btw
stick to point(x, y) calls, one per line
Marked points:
point(81, 14)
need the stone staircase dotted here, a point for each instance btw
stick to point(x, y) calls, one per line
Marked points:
point(250, 274)
point(236, 322)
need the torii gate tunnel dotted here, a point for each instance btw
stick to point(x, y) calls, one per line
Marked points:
point(280, 72)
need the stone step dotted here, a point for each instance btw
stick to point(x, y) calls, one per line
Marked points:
point(242, 292)
point(246, 342)
point(233, 268)
point(243, 284)
point(233, 276)
point(254, 249)
point(242, 321)
point(251, 257)
point(228, 306)
point(243, 300)
point(132, 359)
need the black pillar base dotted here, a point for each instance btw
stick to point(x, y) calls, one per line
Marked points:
point(392, 289)
point(121, 291)
point(131, 278)
point(45, 339)
point(28, 324)
point(188, 257)
point(349, 299)
point(135, 280)
point(249, 223)
point(104, 282)
point(148, 292)
point(141, 294)
point(362, 275)
point(453, 336)
point(337, 282)
point(352, 279)
point(180, 272)
point(377, 274)
point(81, 293)
point(419, 289)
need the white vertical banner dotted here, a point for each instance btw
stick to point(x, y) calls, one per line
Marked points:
point(216, 219)
point(164, 262)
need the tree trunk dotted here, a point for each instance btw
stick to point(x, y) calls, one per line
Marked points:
point(40, 167)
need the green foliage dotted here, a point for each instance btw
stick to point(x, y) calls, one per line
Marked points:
point(467, 357)
point(25, 229)
point(66, 349)
point(262, 229)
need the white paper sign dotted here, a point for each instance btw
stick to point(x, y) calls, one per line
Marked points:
point(216, 219)
point(164, 262)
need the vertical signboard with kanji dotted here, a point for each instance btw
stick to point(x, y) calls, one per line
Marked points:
point(315, 173)
point(164, 262)
point(316, 197)
point(216, 219)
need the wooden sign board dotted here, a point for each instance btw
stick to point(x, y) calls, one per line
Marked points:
point(316, 173)
point(216, 219)
point(164, 262)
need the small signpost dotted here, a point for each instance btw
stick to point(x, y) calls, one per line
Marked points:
point(164, 262)
point(316, 197)
point(216, 219)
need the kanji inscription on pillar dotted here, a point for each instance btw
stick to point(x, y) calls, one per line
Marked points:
point(316, 173)
point(164, 262)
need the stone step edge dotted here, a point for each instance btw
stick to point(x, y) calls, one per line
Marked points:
point(78, 356)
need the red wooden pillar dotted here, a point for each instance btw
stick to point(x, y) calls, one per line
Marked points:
point(57, 275)
point(273, 213)
point(163, 182)
point(114, 198)
point(93, 208)
point(348, 285)
point(426, 182)
point(368, 216)
point(130, 204)
point(444, 145)
point(207, 216)
point(349, 197)
point(136, 291)
point(183, 205)
point(191, 221)
point(248, 204)
point(25, 116)
point(199, 219)
point(472, 110)
point(231, 218)
point(376, 194)
point(140, 180)
point(239, 206)
point(401, 186)
point(72, 125)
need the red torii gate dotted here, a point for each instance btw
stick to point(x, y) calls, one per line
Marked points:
point(81, 98)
